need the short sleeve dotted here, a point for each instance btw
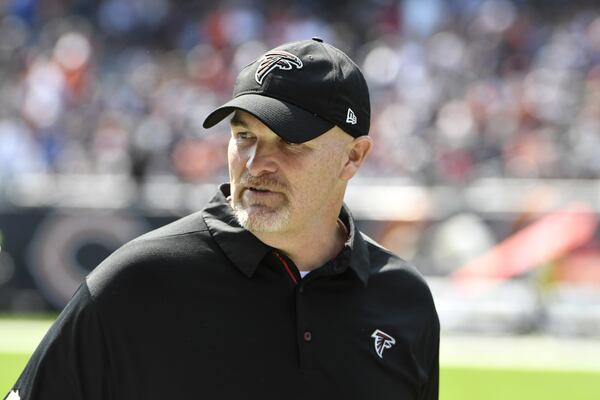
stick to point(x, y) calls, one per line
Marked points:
point(71, 361)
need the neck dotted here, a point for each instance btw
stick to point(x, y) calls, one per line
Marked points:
point(325, 239)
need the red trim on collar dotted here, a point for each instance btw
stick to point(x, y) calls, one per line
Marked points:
point(287, 268)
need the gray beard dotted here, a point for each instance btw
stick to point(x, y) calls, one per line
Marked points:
point(263, 222)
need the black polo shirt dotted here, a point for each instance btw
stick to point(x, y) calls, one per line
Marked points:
point(201, 309)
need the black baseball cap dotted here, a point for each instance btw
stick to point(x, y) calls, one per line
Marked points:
point(300, 90)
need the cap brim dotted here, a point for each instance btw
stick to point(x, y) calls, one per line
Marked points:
point(293, 124)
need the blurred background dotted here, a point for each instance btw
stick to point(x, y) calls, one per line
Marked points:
point(485, 115)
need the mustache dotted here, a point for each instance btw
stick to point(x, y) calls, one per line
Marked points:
point(265, 182)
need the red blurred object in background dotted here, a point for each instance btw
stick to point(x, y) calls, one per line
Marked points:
point(551, 237)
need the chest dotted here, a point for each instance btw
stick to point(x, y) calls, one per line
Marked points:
point(269, 338)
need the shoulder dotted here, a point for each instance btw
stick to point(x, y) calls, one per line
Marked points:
point(176, 245)
point(190, 224)
point(393, 274)
point(384, 261)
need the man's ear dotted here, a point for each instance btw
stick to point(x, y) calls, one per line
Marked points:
point(357, 151)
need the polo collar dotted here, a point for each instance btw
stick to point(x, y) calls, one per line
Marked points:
point(356, 247)
point(239, 245)
point(246, 251)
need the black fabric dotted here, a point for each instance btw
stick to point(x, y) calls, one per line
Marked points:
point(305, 87)
point(201, 308)
point(277, 116)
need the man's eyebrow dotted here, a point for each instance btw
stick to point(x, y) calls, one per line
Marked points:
point(237, 121)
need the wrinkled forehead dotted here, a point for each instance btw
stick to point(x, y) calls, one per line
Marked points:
point(244, 120)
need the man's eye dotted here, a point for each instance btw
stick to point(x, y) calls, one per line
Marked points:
point(243, 135)
point(290, 144)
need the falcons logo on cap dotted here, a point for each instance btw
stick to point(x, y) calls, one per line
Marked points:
point(275, 59)
point(382, 341)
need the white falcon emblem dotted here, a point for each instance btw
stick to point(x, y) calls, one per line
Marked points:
point(276, 59)
point(13, 395)
point(382, 341)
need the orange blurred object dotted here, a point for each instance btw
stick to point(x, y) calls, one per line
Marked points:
point(551, 237)
point(583, 267)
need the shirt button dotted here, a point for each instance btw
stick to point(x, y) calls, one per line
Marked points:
point(307, 336)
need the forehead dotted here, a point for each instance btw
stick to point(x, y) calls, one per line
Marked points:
point(244, 120)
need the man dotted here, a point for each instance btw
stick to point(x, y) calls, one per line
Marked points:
point(269, 292)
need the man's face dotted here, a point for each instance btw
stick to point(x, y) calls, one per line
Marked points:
point(278, 186)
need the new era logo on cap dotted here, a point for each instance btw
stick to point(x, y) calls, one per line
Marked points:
point(351, 117)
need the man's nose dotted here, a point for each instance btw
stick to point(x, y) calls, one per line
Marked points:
point(262, 159)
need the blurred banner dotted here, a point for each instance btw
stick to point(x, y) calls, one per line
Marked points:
point(47, 252)
point(500, 256)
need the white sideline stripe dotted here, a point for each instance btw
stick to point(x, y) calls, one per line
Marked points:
point(21, 335)
point(521, 352)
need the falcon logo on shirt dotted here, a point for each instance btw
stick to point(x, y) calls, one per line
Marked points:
point(276, 59)
point(13, 395)
point(382, 341)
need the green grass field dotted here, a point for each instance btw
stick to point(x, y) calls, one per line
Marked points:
point(515, 384)
point(458, 382)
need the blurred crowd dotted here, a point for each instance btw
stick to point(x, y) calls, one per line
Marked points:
point(460, 89)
